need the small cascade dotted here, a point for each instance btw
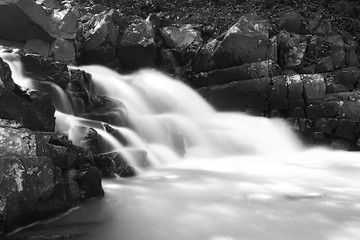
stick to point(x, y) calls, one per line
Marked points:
point(215, 176)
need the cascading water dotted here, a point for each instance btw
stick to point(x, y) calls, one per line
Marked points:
point(241, 177)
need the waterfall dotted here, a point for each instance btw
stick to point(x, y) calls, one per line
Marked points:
point(240, 177)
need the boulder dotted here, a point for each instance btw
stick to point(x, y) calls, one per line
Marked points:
point(33, 110)
point(63, 50)
point(247, 41)
point(31, 188)
point(292, 49)
point(183, 39)
point(65, 23)
point(136, 47)
point(22, 20)
point(100, 36)
point(89, 181)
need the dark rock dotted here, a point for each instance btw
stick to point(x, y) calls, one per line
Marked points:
point(290, 21)
point(247, 41)
point(324, 65)
point(37, 46)
point(30, 188)
point(337, 50)
point(45, 69)
point(89, 181)
point(278, 95)
point(292, 49)
point(341, 144)
point(22, 20)
point(106, 165)
point(295, 91)
point(248, 71)
point(325, 125)
point(314, 87)
point(296, 113)
point(168, 61)
point(183, 39)
point(63, 50)
point(348, 77)
point(317, 48)
point(137, 48)
point(313, 111)
point(350, 110)
point(104, 54)
point(240, 96)
point(325, 28)
point(347, 129)
point(311, 23)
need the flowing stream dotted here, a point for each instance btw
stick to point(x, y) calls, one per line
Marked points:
point(240, 178)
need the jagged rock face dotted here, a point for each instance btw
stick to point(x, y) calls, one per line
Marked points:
point(247, 41)
point(42, 173)
point(33, 110)
point(30, 21)
point(183, 39)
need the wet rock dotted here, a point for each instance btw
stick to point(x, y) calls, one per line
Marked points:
point(33, 110)
point(107, 110)
point(89, 140)
point(106, 165)
point(290, 21)
point(341, 144)
point(22, 20)
point(267, 68)
point(325, 125)
point(89, 181)
point(45, 69)
point(292, 49)
point(136, 47)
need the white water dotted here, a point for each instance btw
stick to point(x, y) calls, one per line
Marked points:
point(242, 177)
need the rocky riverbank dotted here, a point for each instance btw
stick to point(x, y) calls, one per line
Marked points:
point(282, 59)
